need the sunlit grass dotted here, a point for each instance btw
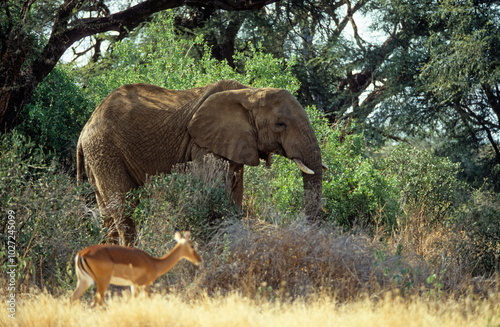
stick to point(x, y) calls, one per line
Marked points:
point(236, 310)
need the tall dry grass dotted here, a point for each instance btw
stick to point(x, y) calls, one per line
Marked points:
point(236, 310)
point(264, 261)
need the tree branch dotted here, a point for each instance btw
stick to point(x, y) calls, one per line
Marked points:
point(123, 22)
point(26, 9)
point(19, 78)
point(350, 16)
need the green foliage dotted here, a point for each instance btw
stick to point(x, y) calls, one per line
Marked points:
point(21, 160)
point(464, 44)
point(183, 64)
point(56, 114)
point(261, 69)
point(356, 190)
point(192, 198)
point(441, 79)
point(428, 183)
point(436, 285)
point(274, 193)
point(51, 223)
point(478, 220)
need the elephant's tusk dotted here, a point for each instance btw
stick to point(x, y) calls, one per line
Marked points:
point(303, 167)
point(325, 167)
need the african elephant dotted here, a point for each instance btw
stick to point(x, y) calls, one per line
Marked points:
point(140, 130)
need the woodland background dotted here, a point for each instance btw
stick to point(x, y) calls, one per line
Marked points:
point(404, 97)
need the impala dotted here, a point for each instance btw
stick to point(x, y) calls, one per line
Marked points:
point(120, 265)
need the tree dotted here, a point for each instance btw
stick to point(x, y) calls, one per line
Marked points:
point(34, 34)
point(443, 80)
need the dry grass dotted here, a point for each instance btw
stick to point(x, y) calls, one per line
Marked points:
point(235, 310)
point(296, 260)
point(262, 260)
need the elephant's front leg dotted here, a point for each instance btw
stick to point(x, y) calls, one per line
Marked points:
point(235, 183)
point(234, 177)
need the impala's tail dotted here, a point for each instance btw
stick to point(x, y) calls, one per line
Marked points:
point(82, 268)
point(85, 279)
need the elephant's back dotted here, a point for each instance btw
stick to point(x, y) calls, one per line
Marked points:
point(138, 107)
point(142, 99)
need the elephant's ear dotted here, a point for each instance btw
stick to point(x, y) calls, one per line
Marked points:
point(223, 125)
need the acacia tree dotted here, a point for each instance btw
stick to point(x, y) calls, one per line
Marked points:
point(443, 79)
point(34, 35)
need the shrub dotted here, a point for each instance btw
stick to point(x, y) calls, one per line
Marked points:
point(193, 197)
point(299, 259)
point(427, 183)
point(274, 193)
point(51, 222)
point(355, 191)
point(55, 116)
point(478, 223)
point(183, 64)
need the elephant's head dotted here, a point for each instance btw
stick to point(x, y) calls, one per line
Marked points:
point(249, 124)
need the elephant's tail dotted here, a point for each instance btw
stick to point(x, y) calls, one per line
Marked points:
point(79, 161)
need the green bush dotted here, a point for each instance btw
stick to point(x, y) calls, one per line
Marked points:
point(193, 197)
point(56, 114)
point(355, 191)
point(52, 220)
point(427, 183)
point(478, 222)
point(183, 64)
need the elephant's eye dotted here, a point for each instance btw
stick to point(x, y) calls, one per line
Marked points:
point(281, 125)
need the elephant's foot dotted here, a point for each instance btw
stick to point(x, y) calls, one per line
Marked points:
point(112, 234)
point(126, 230)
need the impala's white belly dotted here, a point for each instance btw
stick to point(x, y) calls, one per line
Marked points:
point(120, 281)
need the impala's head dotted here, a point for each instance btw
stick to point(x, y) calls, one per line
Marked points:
point(188, 252)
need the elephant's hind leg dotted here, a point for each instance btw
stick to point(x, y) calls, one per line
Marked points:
point(112, 234)
point(116, 211)
point(122, 223)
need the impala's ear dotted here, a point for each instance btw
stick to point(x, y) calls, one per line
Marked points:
point(187, 234)
point(223, 125)
point(177, 236)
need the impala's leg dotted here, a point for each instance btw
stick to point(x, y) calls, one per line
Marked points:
point(82, 285)
point(102, 287)
point(84, 280)
point(134, 290)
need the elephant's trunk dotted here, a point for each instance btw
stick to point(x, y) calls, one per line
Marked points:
point(306, 154)
point(312, 194)
point(313, 183)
